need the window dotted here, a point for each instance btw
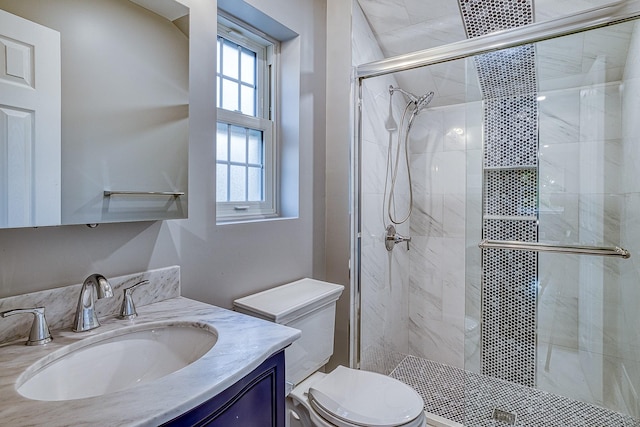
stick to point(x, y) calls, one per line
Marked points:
point(245, 140)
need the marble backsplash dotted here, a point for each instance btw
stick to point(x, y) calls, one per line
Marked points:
point(60, 303)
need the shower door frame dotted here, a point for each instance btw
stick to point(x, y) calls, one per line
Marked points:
point(610, 14)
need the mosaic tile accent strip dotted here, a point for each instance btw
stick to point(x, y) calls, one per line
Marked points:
point(514, 229)
point(486, 16)
point(508, 347)
point(469, 398)
point(511, 131)
point(510, 150)
point(509, 296)
point(511, 192)
point(507, 72)
point(509, 303)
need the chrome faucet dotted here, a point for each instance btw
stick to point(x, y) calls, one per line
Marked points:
point(94, 287)
point(39, 333)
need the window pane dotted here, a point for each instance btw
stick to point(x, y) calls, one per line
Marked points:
point(218, 55)
point(238, 184)
point(230, 59)
point(222, 151)
point(255, 184)
point(255, 147)
point(248, 67)
point(248, 100)
point(238, 144)
point(218, 92)
point(229, 95)
point(221, 183)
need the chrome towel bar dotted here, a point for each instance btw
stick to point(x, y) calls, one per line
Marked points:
point(109, 193)
point(545, 247)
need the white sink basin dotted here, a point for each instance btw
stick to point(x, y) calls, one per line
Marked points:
point(118, 361)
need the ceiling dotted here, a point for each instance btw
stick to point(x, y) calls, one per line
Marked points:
point(403, 26)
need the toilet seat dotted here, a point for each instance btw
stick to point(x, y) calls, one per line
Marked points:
point(353, 398)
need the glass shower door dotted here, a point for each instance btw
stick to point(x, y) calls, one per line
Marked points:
point(537, 144)
point(573, 330)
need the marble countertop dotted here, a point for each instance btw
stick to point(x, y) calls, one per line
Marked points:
point(243, 344)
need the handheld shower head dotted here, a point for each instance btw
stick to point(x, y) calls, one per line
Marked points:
point(419, 102)
point(413, 106)
point(424, 101)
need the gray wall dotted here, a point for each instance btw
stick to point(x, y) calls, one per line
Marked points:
point(219, 263)
point(339, 111)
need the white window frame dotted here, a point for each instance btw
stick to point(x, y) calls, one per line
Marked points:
point(264, 121)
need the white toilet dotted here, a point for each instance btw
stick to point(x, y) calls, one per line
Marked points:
point(344, 397)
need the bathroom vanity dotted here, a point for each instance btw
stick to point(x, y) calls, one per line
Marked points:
point(258, 400)
point(238, 380)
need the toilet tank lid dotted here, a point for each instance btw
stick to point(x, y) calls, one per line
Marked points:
point(286, 303)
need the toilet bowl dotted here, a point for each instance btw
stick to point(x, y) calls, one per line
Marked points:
point(344, 397)
point(353, 398)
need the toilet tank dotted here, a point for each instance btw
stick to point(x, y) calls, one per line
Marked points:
point(308, 305)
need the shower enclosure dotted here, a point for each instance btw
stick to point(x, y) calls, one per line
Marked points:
point(517, 298)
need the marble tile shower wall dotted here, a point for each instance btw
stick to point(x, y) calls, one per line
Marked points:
point(384, 278)
point(442, 142)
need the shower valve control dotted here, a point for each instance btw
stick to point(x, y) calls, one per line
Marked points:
point(392, 238)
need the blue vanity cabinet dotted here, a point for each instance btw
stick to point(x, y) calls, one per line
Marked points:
point(257, 400)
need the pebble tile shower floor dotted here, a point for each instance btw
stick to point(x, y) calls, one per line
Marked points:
point(469, 398)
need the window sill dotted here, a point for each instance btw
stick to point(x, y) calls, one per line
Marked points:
point(253, 219)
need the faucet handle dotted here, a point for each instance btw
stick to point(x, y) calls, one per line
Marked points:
point(392, 238)
point(39, 334)
point(128, 309)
